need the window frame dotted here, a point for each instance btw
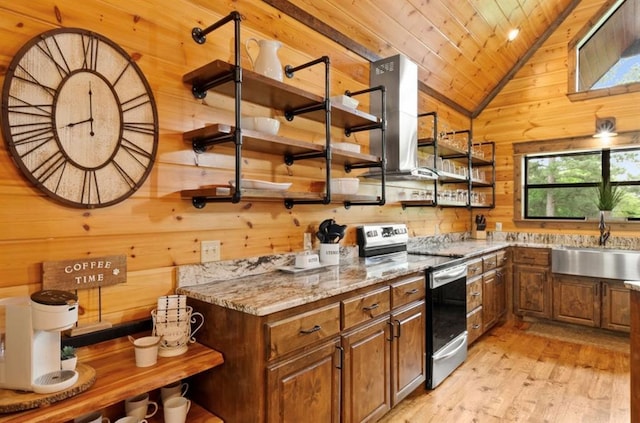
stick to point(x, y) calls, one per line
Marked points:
point(572, 90)
point(563, 145)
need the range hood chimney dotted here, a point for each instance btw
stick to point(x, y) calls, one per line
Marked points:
point(399, 75)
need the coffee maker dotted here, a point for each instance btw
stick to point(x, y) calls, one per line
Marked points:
point(31, 356)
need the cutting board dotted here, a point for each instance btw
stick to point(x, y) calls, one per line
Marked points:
point(12, 401)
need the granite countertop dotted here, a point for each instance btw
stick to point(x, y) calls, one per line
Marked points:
point(632, 285)
point(272, 291)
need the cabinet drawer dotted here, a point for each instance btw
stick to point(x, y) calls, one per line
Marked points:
point(474, 325)
point(303, 329)
point(474, 293)
point(365, 307)
point(489, 262)
point(537, 256)
point(474, 268)
point(501, 258)
point(407, 290)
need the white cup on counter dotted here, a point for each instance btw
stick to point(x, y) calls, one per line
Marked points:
point(176, 410)
point(140, 407)
point(93, 417)
point(173, 390)
point(130, 419)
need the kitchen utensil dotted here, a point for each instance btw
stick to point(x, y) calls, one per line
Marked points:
point(267, 62)
point(329, 232)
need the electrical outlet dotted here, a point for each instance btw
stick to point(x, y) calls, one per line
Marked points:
point(209, 251)
point(498, 226)
point(307, 243)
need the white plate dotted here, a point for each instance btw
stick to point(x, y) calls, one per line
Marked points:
point(293, 269)
point(256, 184)
point(345, 100)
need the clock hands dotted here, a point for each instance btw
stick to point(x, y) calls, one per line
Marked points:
point(72, 124)
point(90, 119)
point(91, 110)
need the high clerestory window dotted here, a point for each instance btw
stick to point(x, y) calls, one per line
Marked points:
point(605, 59)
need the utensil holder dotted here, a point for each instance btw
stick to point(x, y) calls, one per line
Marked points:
point(329, 254)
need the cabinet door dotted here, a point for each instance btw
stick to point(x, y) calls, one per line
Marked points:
point(489, 300)
point(576, 300)
point(616, 311)
point(501, 292)
point(474, 325)
point(366, 372)
point(408, 351)
point(474, 293)
point(306, 385)
point(532, 291)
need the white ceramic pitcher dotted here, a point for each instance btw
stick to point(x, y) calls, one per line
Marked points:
point(267, 62)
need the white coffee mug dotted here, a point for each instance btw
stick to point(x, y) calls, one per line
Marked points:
point(138, 407)
point(130, 419)
point(176, 389)
point(176, 409)
point(93, 417)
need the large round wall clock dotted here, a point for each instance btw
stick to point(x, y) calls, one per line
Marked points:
point(79, 118)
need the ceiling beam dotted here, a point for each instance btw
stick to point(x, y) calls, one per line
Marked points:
point(323, 28)
point(525, 58)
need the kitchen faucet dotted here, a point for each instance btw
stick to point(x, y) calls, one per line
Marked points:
point(605, 232)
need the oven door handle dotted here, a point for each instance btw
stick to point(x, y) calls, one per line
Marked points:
point(449, 275)
point(451, 353)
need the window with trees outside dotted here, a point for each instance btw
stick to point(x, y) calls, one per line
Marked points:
point(564, 185)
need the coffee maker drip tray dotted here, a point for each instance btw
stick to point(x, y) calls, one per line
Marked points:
point(54, 381)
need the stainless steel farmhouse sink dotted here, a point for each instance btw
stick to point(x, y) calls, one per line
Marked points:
point(596, 262)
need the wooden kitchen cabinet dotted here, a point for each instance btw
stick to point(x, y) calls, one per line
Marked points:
point(486, 292)
point(408, 350)
point(616, 306)
point(490, 299)
point(366, 376)
point(591, 302)
point(576, 300)
point(347, 358)
point(532, 293)
point(306, 385)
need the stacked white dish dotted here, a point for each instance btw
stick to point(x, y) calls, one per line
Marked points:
point(172, 321)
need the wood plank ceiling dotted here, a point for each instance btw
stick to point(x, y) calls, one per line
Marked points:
point(460, 46)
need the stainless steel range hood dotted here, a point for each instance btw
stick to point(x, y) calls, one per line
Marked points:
point(399, 75)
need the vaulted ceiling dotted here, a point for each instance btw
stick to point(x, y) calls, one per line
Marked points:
point(460, 46)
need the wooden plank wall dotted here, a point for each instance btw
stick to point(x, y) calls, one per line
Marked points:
point(534, 106)
point(155, 228)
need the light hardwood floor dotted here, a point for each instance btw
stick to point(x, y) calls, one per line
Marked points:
point(513, 375)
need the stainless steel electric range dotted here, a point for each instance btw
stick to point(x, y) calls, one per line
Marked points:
point(446, 300)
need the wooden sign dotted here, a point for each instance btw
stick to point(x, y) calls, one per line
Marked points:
point(84, 273)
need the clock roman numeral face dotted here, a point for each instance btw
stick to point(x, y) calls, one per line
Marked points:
point(79, 118)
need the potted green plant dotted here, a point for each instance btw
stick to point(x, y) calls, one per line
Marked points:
point(68, 358)
point(608, 196)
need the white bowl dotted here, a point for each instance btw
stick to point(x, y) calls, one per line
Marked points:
point(347, 146)
point(267, 125)
point(345, 101)
point(346, 186)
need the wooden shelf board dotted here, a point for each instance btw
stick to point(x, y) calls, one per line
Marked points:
point(268, 92)
point(117, 378)
point(274, 144)
point(272, 195)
